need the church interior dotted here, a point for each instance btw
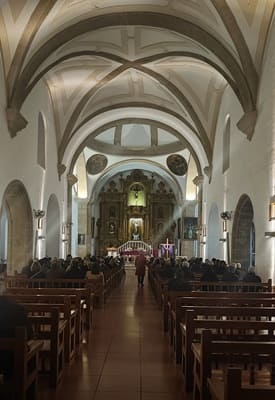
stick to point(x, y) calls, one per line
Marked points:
point(129, 127)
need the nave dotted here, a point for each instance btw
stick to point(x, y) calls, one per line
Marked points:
point(126, 355)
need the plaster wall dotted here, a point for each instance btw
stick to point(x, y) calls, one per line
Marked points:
point(252, 164)
point(18, 155)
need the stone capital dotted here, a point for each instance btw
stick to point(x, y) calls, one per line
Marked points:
point(16, 121)
point(198, 180)
point(247, 123)
point(72, 179)
point(61, 168)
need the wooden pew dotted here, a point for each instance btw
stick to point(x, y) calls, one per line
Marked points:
point(23, 383)
point(38, 304)
point(238, 286)
point(237, 289)
point(85, 294)
point(191, 331)
point(183, 303)
point(51, 329)
point(257, 359)
point(231, 388)
point(176, 299)
point(95, 285)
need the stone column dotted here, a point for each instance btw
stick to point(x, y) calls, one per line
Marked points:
point(83, 248)
point(71, 180)
point(198, 181)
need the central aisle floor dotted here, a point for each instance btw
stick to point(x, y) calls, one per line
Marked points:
point(127, 355)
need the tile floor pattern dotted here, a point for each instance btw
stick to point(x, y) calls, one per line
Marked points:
point(126, 356)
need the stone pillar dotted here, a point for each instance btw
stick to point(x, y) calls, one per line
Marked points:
point(71, 180)
point(82, 227)
point(198, 181)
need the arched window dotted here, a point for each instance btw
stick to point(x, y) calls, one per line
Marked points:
point(41, 142)
point(226, 145)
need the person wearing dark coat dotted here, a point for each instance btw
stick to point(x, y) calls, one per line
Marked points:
point(73, 271)
point(251, 276)
point(12, 315)
point(140, 264)
point(208, 276)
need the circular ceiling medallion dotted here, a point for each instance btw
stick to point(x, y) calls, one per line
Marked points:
point(177, 164)
point(96, 164)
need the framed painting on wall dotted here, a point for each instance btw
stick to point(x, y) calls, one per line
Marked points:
point(81, 239)
point(190, 228)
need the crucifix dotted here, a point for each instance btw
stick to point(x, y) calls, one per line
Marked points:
point(168, 248)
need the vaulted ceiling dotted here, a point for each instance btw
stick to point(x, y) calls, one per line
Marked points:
point(158, 63)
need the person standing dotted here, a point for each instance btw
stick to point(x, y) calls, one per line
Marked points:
point(140, 264)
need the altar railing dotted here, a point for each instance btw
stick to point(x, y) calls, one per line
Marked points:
point(133, 247)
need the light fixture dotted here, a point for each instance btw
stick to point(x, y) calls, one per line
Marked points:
point(203, 230)
point(269, 234)
point(226, 215)
point(39, 214)
point(224, 225)
point(272, 208)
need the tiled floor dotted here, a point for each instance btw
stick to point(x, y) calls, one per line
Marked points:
point(127, 355)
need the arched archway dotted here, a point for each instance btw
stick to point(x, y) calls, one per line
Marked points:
point(20, 226)
point(243, 233)
point(213, 235)
point(52, 227)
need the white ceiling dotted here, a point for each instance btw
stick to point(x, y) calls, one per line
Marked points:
point(99, 58)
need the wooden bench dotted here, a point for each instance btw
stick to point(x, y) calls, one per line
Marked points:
point(51, 329)
point(38, 304)
point(240, 289)
point(177, 299)
point(81, 294)
point(231, 388)
point(183, 303)
point(192, 328)
point(238, 286)
point(213, 354)
point(217, 289)
point(95, 285)
point(23, 383)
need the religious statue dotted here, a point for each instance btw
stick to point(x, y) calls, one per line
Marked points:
point(135, 230)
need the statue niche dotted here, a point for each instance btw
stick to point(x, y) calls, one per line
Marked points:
point(136, 227)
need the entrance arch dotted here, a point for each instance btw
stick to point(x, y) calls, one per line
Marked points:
point(213, 235)
point(243, 233)
point(20, 226)
point(52, 227)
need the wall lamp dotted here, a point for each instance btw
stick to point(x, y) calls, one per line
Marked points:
point(269, 234)
point(39, 214)
point(272, 208)
point(226, 215)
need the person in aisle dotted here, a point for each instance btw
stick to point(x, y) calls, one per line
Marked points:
point(140, 264)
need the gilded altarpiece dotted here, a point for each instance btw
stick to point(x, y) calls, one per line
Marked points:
point(135, 206)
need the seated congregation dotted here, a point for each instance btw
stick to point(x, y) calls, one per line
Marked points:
point(43, 325)
point(220, 324)
point(219, 320)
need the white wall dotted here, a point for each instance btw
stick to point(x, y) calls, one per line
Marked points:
point(252, 164)
point(18, 155)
